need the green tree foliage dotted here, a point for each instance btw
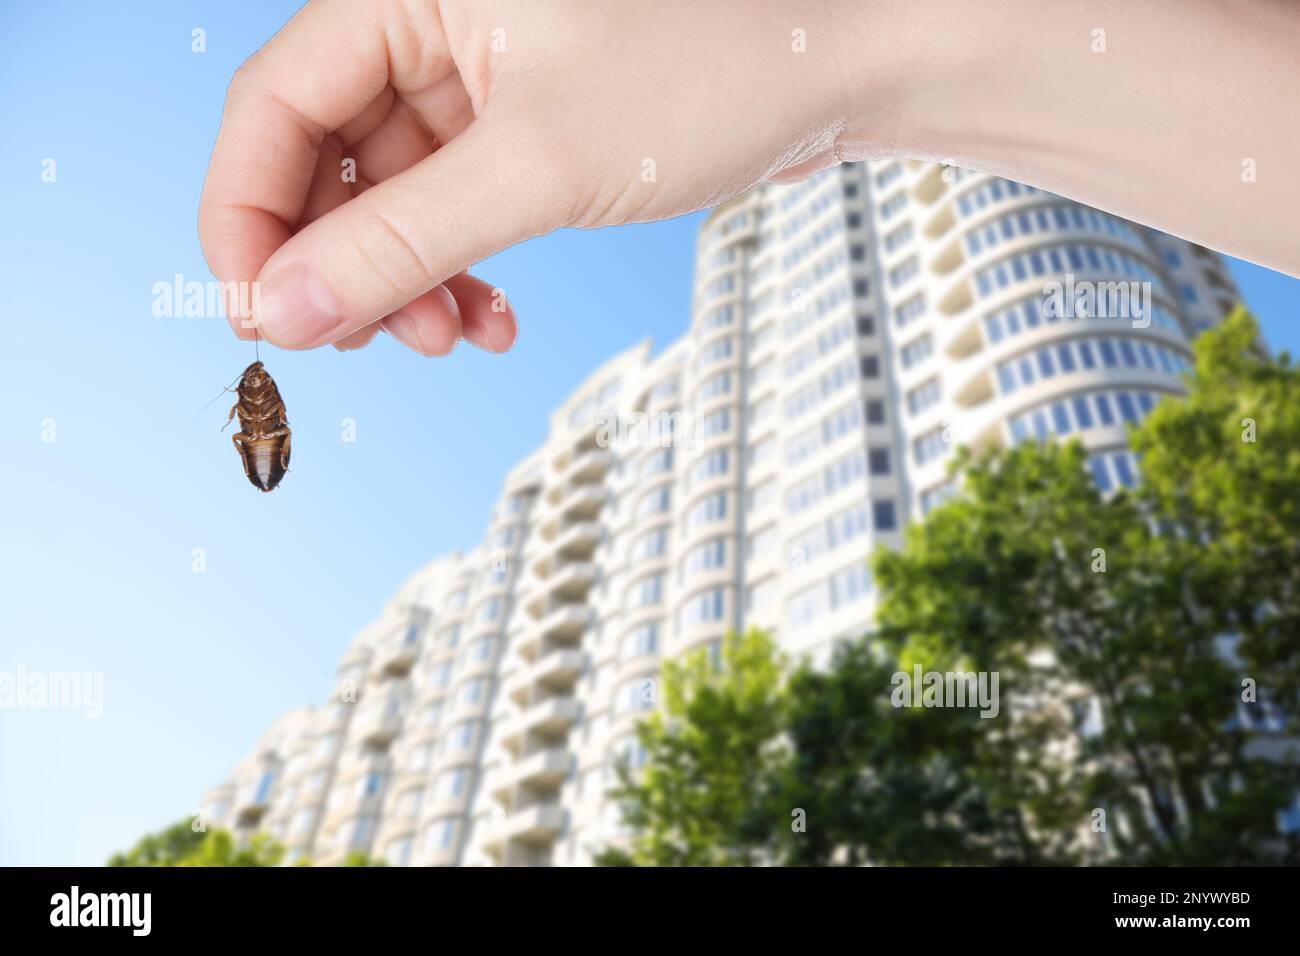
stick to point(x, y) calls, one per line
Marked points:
point(182, 845)
point(710, 748)
point(1109, 621)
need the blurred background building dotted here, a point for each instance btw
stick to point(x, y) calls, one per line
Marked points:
point(848, 333)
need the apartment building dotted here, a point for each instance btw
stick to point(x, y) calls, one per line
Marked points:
point(847, 333)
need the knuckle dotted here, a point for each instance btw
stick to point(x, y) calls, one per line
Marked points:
point(393, 253)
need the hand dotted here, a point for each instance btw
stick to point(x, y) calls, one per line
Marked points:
point(475, 124)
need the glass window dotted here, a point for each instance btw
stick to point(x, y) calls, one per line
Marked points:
point(1082, 413)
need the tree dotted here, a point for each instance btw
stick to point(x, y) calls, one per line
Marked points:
point(181, 845)
point(713, 745)
point(1109, 621)
point(1222, 467)
point(897, 787)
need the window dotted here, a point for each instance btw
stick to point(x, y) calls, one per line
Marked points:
point(460, 736)
point(929, 446)
point(871, 366)
point(649, 590)
point(904, 271)
point(851, 584)
point(450, 784)
point(923, 396)
point(804, 495)
point(806, 606)
point(893, 205)
point(398, 852)
point(909, 310)
point(658, 462)
point(705, 607)
point(933, 497)
point(654, 502)
point(652, 544)
point(713, 464)
point(481, 649)
point(712, 508)
point(715, 352)
point(472, 692)
point(883, 515)
point(878, 460)
point(708, 556)
point(440, 835)
point(715, 423)
point(875, 412)
point(845, 471)
point(917, 351)
point(898, 238)
point(644, 640)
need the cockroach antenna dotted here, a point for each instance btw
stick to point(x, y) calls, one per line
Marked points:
point(228, 388)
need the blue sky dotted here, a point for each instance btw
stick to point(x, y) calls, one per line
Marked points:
point(100, 525)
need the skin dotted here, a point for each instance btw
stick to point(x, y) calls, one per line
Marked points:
point(476, 124)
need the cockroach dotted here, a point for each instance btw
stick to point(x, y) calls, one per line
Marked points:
point(263, 436)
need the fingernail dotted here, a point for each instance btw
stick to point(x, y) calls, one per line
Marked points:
point(402, 326)
point(297, 309)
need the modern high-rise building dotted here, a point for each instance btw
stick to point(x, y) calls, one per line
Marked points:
point(848, 332)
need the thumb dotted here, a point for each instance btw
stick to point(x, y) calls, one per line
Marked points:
point(367, 258)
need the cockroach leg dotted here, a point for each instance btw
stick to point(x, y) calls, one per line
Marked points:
point(239, 438)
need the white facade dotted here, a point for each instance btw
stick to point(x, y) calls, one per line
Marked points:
point(847, 333)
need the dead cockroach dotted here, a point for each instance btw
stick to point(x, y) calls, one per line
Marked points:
point(263, 436)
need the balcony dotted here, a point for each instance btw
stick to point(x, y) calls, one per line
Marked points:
point(587, 466)
point(564, 622)
point(545, 768)
point(395, 657)
point(577, 541)
point(583, 503)
point(555, 672)
point(559, 623)
point(535, 824)
point(549, 718)
point(571, 581)
point(377, 724)
point(252, 800)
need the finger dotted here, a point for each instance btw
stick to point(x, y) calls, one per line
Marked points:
point(323, 69)
point(397, 144)
point(359, 339)
point(487, 318)
point(496, 184)
point(328, 188)
point(429, 324)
